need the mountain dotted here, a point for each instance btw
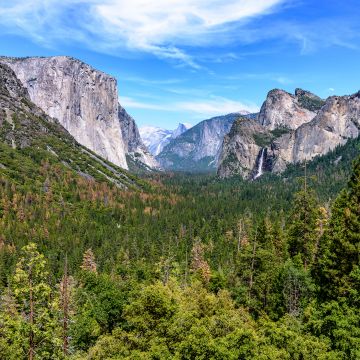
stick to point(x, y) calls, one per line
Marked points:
point(282, 109)
point(289, 129)
point(136, 151)
point(84, 100)
point(156, 138)
point(31, 141)
point(197, 149)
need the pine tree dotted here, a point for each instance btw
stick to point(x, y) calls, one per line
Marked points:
point(302, 234)
point(338, 267)
point(34, 301)
point(11, 337)
point(66, 290)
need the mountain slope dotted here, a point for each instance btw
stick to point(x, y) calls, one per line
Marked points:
point(197, 149)
point(83, 99)
point(287, 136)
point(29, 138)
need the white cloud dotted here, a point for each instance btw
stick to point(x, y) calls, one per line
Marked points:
point(281, 79)
point(131, 103)
point(203, 107)
point(160, 27)
point(331, 89)
point(216, 106)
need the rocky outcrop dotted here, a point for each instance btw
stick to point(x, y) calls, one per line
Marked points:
point(285, 139)
point(25, 125)
point(282, 109)
point(241, 149)
point(198, 148)
point(308, 100)
point(134, 146)
point(337, 121)
point(85, 101)
point(17, 113)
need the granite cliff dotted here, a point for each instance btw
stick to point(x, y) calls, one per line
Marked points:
point(197, 149)
point(84, 100)
point(29, 134)
point(289, 129)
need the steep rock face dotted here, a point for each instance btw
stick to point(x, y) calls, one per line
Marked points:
point(337, 120)
point(83, 99)
point(134, 146)
point(25, 125)
point(179, 130)
point(241, 149)
point(17, 112)
point(282, 109)
point(198, 148)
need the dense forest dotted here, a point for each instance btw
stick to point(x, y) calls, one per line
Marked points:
point(180, 266)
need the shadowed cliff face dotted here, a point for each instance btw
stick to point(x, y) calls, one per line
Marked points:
point(134, 146)
point(240, 148)
point(83, 99)
point(291, 129)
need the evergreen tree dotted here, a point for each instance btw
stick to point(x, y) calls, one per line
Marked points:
point(302, 234)
point(35, 302)
point(11, 337)
point(338, 267)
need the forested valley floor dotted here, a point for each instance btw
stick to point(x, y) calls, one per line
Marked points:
point(181, 266)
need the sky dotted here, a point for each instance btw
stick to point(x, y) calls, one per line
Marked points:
point(188, 60)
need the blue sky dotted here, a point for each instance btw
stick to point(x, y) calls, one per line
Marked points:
point(188, 60)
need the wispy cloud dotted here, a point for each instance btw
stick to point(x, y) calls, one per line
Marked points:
point(202, 108)
point(169, 28)
point(279, 78)
point(132, 103)
point(152, 82)
point(160, 27)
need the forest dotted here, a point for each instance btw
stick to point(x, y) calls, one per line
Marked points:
point(183, 266)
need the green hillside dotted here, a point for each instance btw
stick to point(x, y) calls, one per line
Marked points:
point(96, 263)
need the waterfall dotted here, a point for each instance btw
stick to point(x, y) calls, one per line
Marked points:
point(260, 166)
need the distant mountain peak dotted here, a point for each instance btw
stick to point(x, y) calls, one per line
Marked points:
point(156, 138)
point(197, 148)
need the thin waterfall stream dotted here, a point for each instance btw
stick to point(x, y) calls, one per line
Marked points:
point(260, 166)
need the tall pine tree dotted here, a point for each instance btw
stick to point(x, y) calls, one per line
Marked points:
point(302, 233)
point(35, 302)
point(338, 266)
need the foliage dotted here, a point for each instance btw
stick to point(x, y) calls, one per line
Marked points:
point(177, 266)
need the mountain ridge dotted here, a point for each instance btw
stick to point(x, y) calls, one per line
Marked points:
point(156, 138)
point(34, 137)
point(84, 100)
point(197, 149)
point(290, 136)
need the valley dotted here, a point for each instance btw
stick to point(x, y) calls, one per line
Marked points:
point(111, 251)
